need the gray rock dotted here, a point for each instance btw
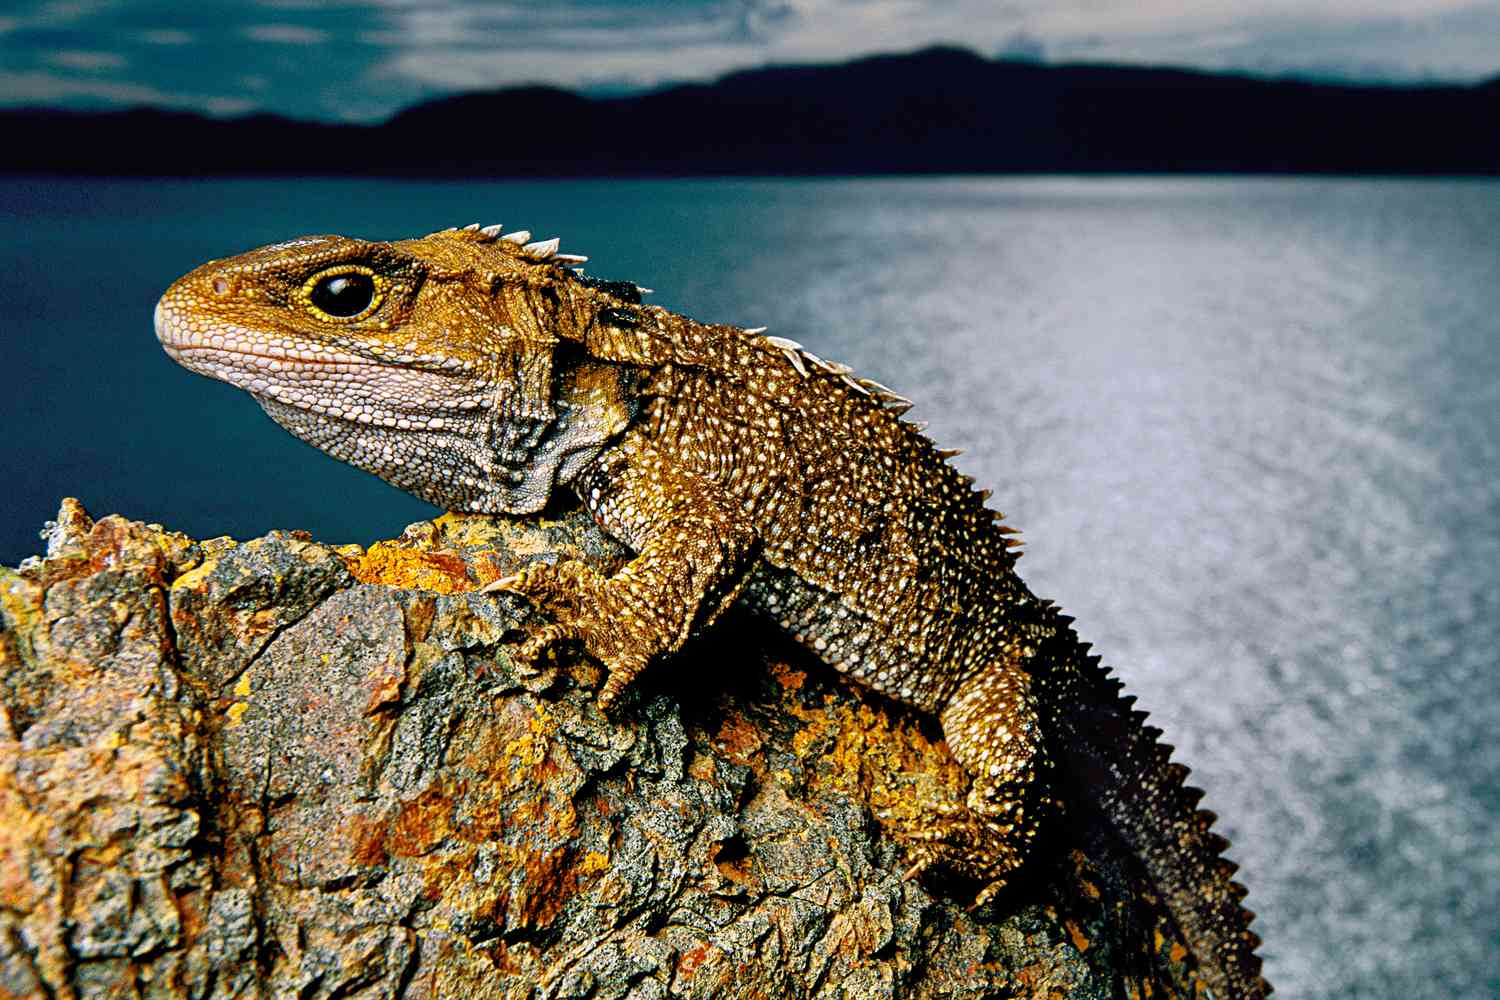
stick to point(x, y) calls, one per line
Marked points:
point(277, 768)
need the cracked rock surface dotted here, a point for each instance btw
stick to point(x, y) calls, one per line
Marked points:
point(279, 768)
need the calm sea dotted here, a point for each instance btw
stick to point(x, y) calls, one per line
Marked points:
point(1251, 429)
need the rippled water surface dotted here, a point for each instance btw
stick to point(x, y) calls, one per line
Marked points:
point(1251, 429)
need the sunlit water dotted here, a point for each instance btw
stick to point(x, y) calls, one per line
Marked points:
point(1251, 429)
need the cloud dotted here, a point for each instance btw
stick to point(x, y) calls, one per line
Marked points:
point(364, 59)
point(89, 62)
point(1453, 41)
point(48, 88)
point(286, 34)
point(468, 44)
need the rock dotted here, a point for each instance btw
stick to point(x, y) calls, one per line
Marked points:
point(280, 768)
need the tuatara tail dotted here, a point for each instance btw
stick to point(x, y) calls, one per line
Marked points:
point(1111, 761)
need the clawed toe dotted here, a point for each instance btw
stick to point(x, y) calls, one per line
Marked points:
point(987, 893)
point(543, 639)
point(921, 860)
point(506, 583)
point(584, 609)
point(566, 590)
point(963, 842)
point(534, 581)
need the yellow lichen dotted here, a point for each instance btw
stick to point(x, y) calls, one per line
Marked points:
point(193, 577)
point(392, 565)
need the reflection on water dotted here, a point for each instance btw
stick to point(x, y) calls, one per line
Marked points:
point(1247, 425)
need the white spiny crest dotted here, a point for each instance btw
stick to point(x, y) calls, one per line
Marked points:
point(539, 250)
point(798, 355)
point(792, 350)
point(542, 249)
point(888, 397)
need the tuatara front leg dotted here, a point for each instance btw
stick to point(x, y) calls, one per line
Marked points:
point(693, 547)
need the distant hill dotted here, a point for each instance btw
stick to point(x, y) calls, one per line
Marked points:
point(940, 110)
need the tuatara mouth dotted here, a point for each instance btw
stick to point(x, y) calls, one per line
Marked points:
point(308, 375)
point(183, 339)
point(245, 347)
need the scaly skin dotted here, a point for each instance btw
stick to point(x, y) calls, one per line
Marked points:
point(482, 374)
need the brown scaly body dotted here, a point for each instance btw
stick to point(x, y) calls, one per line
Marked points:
point(481, 373)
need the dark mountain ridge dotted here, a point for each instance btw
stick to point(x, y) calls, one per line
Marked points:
point(939, 110)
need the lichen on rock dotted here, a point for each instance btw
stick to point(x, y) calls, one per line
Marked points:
point(281, 768)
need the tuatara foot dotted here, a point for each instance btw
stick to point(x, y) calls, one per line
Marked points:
point(958, 839)
point(579, 600)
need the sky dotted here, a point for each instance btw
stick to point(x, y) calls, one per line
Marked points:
point(365, 59)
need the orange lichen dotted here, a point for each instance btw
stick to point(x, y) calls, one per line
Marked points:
point(1080, 868)
point(690, 960)
point(788, 677)
point(369, 842)
point(740, 740)
point(423, 822)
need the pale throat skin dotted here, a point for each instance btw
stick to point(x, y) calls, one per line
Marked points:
point(481, 373)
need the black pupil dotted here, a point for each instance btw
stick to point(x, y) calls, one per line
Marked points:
point(344, 294)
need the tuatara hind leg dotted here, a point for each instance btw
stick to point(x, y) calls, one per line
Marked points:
point(991, 728)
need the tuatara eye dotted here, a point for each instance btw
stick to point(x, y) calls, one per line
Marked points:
point(343, 295)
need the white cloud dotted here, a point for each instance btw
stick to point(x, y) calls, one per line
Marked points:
point(374, 56)
point(51, 88)
point(88, 62)
point(474, 45)
point(286, 34)
point(68, 11)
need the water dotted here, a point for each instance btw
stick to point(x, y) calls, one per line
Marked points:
point(1249, 427)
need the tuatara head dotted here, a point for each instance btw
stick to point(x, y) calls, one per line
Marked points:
point(451, 366)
